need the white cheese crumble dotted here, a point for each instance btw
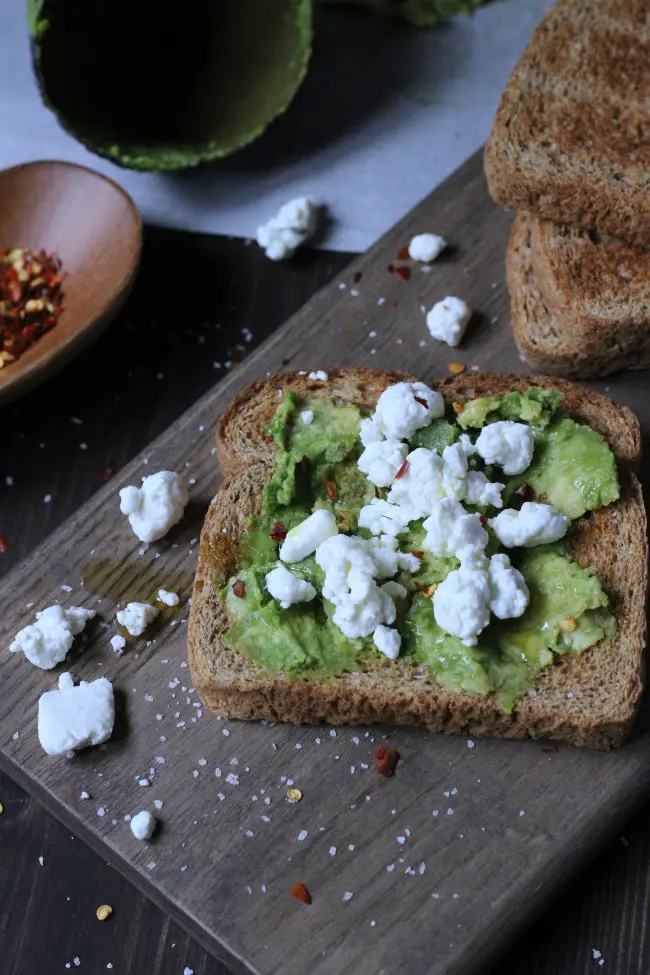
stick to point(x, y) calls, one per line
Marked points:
point(508, 444)
point(382, 518)
point(533, 524)
point(387, 641)
point(509, 594)
point(72, 717)
point(448, 320)
point(136, 617)
point(342, 557)
point(461, 604)
point(288, 588)
point(168, 598)
point(389, 559)
point(450, 528)
point(143, 825)
point(307, 416)
point(293, 224)
point(153, 508)
point(420, 485)
point(401, 410)
point(118, 643)
point(319, 374)
point(426, 247)
point(46, 642)
point(481, 492)
point(304, 539)
point(350, 570)
point(382, 460)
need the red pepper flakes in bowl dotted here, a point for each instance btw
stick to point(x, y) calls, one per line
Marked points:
point(31, 299)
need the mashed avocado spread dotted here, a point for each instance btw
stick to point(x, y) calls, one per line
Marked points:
point(572, 469)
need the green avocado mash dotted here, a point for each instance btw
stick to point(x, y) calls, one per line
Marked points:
point(316, 467)
point(573, 468)
point(567, 614)
point(534, 406)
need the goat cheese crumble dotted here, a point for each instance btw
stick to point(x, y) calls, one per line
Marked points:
point(70, 718)
point(426, 247)
point(46, 642)
point(448, 320)
point(293, 224)
point(136, 617)
point(156, 506)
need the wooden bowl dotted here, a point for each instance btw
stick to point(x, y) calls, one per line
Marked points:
point(96, 230)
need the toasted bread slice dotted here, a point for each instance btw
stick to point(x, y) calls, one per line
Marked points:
point(569, 140)
point(588, 700)
point(580, 302)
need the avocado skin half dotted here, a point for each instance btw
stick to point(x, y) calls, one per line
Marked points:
point(168, 93)
point(420, 13)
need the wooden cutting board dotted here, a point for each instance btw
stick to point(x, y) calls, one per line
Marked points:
point(446, 861)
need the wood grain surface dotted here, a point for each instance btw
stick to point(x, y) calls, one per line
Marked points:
point(570, 800)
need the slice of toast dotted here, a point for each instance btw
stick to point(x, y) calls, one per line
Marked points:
point(570, 137)
point(588, 700)
point(580, 302)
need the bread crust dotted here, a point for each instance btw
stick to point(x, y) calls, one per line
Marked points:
point(567, 140)
point(587, 700)
point(560, 324)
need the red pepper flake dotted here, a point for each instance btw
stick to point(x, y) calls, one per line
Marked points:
point(401, 271)
point(418, 554)
point(421, 587)
point(107, 474)
point(356, 277)
point(387, 759)
point(239, 588)
point(524, 491)
point(552, 748)
point(31, 299)
point(331, 490)
point(376, 491)
point(403, 253)
point(4, 545)
point(422, 402)
point(278, 533)
point(300, 892)
point(394, 304)
point(403, 469)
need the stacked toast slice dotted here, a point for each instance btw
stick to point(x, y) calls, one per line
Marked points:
point(570, 148)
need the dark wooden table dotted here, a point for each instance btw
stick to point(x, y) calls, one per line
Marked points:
point(200, 304)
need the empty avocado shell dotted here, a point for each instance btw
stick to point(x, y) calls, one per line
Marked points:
point(421, 13)
point(162, 86)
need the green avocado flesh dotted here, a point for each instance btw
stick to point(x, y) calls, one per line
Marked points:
point(156, 88)
point(568, 611)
